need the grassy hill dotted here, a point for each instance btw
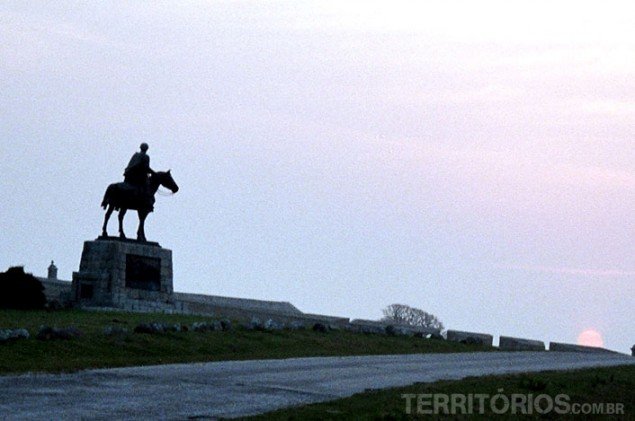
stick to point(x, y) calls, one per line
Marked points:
point(96, 350)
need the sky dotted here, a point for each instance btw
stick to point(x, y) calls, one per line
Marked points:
point(472, 159)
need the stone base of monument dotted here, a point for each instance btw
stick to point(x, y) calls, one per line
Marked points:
point(124, 274)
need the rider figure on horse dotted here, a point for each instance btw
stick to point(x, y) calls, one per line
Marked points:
point(137, 171)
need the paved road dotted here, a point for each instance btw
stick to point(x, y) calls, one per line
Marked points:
point(235, 388)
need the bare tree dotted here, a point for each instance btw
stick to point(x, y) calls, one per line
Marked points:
point(404, 314)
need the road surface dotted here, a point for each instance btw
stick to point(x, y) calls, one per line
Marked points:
point(236, 388)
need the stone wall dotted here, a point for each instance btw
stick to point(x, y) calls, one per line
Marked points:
point(563, 347)
point(205, 303)
point(244, 310)
point(104, 266)
point(240, 309)
point(507, 343)
point(378, 326)
point(57, 290)
point(470, 337)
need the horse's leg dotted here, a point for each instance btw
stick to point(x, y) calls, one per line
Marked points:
point(122, 213)
point(104, 230)
point(141, 233)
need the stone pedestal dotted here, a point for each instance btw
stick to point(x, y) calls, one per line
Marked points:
point(125, 274)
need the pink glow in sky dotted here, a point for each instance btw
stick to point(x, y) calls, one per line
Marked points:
point(590, 337)
point(474, 159)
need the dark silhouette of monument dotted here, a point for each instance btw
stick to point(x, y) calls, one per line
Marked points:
point(136, 192)
point(122, 273)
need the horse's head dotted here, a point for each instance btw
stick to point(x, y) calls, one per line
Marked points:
point(165, 179)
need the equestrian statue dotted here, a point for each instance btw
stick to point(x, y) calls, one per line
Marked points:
point(136, 192)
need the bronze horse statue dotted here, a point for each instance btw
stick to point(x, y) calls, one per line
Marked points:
point(124, 196)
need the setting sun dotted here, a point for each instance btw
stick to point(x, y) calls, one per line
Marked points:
point(590, 337)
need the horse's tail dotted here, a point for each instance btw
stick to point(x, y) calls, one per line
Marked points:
point(105, 202)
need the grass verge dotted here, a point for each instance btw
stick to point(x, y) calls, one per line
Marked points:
point(614, 385)
point(96, 350)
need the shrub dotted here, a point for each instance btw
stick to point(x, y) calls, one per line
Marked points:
point(20, 290)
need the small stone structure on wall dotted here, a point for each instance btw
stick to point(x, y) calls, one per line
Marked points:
point(52, 271)
point(124, 274)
